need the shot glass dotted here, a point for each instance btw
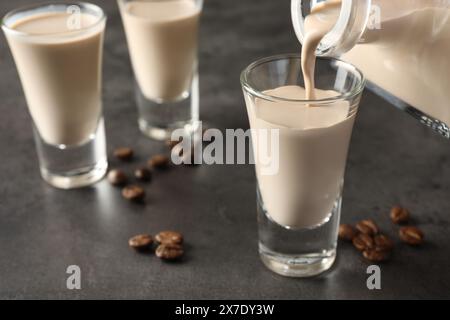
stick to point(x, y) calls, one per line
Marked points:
point(162, 38)
point(58, 48)
point(299, 203)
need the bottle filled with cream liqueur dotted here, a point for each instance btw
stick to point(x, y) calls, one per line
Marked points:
point(401, 46)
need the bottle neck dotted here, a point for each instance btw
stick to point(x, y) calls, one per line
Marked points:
point(350, 25)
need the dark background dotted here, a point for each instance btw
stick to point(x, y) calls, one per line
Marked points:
point(393, 159)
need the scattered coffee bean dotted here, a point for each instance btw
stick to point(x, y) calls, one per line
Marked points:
point(169, 251)
point(143, 174)
point(399, 215)
point(159, 161)
point(117, 177)
point(169, 237)
point(383, 243)
point(363, 242)
point(347, 232)
point(141, 241)
point(124, 153)
point(377, 247)
point(411, 235)
point(133, 193)
point(367, 226)
point(375, 255)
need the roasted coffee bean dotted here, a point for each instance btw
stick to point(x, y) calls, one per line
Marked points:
point(363, 242)
point(169, 237)
point(141, 241)
point(347, 232)
point(169, 251)
point(367, 226)
point(124, 153)
point(375, 255)
point(159, 161)
point(117, 177)
point(143, 174)
point(399, 215)
point(383, 243)
point(411, 235)
point(133, 193)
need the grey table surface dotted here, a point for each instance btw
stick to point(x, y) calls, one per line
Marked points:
point(393, 159)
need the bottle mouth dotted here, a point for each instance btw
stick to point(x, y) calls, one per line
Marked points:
point(350, 24)
point(48, 7)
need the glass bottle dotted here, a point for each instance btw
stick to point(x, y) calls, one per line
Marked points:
point(401, 46)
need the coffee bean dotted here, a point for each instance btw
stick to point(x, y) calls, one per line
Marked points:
point(169, 251)
point(375, 256)
point(159, 161)
point(383, 243)
point(117, 177)
point(347, 232)
point(169, 237)
point(133, 193)
point(399, 215)
point(141, 241)
point(363, 242)
point(123, 153)
point(367, 226)
point(143, 174)
point(411, 235)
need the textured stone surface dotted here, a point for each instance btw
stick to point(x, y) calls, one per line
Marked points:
point(393, 159)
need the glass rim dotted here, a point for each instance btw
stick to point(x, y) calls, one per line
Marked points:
point(200, 2)
point(102, 17)
point(158, 0)
point(343, 96)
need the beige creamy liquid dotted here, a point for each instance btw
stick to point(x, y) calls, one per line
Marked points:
point(162, 39)
point(409, 57)
point(322, 19)
point(61, 75)
point(313, 151)
point(313, 141)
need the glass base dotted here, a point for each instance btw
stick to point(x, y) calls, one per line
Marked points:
point(435, 124)
point(76, 179)
point(163, 133)
point(297, 266)
point(303, 252)
point(68, 167)
point(159, 118)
